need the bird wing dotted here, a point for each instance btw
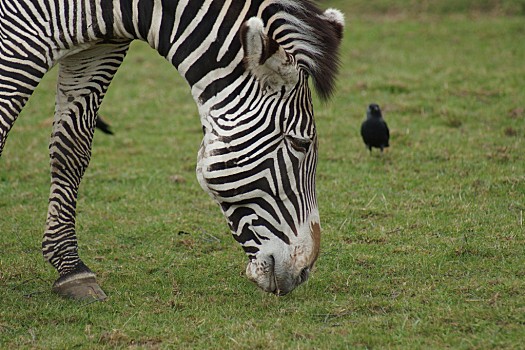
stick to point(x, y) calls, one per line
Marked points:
point(387, 131)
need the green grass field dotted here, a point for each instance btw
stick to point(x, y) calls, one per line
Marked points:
point(423, 247)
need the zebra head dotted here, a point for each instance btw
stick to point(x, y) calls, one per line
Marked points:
point(258, 157)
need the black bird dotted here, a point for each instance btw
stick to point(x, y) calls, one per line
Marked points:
point(374, 130)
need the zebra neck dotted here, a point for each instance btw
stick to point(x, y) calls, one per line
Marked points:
point(199, 37)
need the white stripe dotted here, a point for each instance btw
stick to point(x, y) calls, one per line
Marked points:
point(206, 43)
point(135, 16)
point(100, 18)
point(178, 15)
point(89, 20)
point(234, 30)
point(189, 30)
point(66, 37)
point(216, 74)
point(156, 21)
point(118, 25)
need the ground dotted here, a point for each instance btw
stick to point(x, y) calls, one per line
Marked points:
point(422, 247)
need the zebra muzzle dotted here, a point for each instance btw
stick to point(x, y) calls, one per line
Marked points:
point(270, 276)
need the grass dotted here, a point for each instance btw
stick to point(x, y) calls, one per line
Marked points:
point(423, 247)
point(427, 7)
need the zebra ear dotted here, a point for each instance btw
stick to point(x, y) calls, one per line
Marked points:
point(337, 19)
point(265, 58)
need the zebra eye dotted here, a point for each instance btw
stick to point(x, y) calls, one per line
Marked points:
point(299, 144)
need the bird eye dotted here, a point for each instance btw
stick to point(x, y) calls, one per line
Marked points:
point(299, 144)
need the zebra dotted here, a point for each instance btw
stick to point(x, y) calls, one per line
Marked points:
point(247, 64)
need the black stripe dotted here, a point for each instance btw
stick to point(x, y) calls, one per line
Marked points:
point(220, 84)
point(166, 26)
point(209, 58)
point(189, 14)
point(287, 186)
point(145, 13)
point(107, 16)
point(252, 84)
point(193, 41)
point(127, 17)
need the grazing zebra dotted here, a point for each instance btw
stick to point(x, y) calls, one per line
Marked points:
point(247, 64)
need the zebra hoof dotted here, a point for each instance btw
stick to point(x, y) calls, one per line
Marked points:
point(79, 286)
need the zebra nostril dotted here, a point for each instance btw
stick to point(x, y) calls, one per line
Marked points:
point(303, 276)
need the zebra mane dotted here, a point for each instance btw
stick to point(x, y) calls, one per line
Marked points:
point(311, 36)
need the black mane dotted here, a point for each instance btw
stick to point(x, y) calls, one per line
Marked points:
point(316, 40)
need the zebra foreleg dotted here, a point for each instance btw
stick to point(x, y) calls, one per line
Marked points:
point(82, 83)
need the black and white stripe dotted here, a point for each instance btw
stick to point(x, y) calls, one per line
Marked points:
point(260, 146)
